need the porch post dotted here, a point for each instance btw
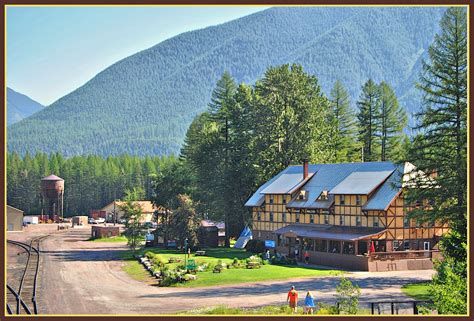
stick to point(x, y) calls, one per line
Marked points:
point(356, 250)
point(340, 247)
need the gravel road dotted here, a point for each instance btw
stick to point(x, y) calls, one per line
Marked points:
point(80, 277)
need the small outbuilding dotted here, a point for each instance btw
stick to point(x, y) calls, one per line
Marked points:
point(104, 231)
point(210, 234)
point(14, 219)
point(79, 220)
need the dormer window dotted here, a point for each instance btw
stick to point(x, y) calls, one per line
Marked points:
point(323, 196)
point(302, 195)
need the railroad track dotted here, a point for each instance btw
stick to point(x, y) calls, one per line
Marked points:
point(23, 299)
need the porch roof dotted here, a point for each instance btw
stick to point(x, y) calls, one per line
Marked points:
point(330, 232)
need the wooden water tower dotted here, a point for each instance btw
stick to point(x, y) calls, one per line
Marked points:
point(52, 196)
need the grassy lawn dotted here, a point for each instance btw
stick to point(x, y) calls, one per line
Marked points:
point(112, 239)
point(136, 271)
point(228, 276)
point(418, 291)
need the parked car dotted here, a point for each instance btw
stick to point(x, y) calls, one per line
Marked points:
point(121, 221)
point(92, 220)
point(100, 220)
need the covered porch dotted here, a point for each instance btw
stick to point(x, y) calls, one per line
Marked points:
point(340, 246)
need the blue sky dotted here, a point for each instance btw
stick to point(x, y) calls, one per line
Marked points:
point(53, 50)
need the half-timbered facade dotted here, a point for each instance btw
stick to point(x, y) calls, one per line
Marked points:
point(350, 215)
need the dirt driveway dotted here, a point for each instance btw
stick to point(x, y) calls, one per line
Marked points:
point(80, 277)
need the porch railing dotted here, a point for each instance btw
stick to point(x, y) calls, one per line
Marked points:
point(403, 255)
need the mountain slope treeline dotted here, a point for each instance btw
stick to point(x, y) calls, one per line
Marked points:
point(143, 104)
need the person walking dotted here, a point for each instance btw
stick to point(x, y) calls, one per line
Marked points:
point(292, 299)
point(306, 257)
point(308, 303)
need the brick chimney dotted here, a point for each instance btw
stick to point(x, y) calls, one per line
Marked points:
point(305, 168)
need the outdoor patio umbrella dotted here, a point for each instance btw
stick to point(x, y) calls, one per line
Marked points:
point(372, 247)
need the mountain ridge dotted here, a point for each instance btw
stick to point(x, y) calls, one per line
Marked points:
point(20, 106)
point(143, 104)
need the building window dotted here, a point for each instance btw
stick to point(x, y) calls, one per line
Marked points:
point(348, 248)
point(320, 245)
point(406, 245)
point(271, 216)
point(323, 196)
point(297, 218)
point(308, 244)
point(358, 200)
point(284, 199)
point(311, 218)
point(395, 245)
point(376, 222)
point(342, 199)
point(341, 219)
point(358, 220)
point(326, 219)
point(283, 217)
point(259, 216)
point(406, 222)
point(271, 199)
point(334, 247)
point(302, 195)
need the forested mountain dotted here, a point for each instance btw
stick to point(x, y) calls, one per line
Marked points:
point(144, 104)
point(20, 106)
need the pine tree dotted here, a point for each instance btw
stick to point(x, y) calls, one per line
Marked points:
point(441, 149)
point(441, 146)
point(344, 140)
point(368, 123)
point(392, 119)
point(289, 120)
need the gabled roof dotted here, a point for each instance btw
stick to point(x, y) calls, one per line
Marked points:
point(361, 183)
point(52, 177)
point(147, 206)
point(328, 177)
point(390, 188)
point(14, 208)
point(286, 180)
point(291, 179)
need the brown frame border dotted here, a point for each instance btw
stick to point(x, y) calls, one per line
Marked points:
point(228, 2)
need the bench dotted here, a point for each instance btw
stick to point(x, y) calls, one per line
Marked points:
point(200, 253)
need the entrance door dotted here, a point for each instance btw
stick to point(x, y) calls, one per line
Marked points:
point(426, 246)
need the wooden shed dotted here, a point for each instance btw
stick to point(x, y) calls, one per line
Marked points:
point(14, 219)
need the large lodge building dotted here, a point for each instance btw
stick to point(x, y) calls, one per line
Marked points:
point(348, 215)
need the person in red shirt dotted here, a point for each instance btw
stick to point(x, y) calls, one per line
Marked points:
point(292, 299)
point(306, 257)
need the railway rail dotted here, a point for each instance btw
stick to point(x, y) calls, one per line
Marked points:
point(23, 299)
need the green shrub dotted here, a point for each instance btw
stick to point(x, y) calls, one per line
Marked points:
point(325, 309)
point(158, 261)
point(255, 246)
point(149, 255)
point(347, 296)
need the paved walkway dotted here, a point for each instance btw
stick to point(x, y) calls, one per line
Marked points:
point(80, 277)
